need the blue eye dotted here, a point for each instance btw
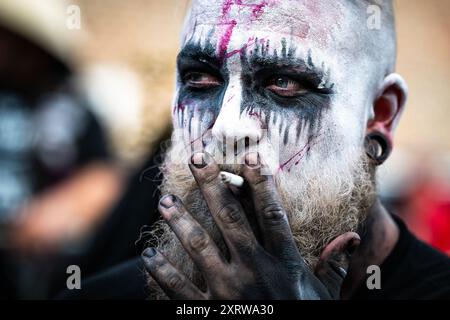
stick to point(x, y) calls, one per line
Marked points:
point(283, 82)
point(286, 87)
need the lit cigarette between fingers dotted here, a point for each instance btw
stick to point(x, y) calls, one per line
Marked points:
point(232, 179)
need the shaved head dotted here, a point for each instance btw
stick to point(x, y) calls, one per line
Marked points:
point(379, 43)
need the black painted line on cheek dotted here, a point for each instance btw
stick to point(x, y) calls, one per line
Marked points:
point(298, 128)
point(203, 101)
point(283, 47)
point(275, 117)
point(286, 135)
point(280, 127)
point(191, 116)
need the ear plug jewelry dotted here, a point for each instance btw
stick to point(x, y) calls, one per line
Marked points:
point(377, 147)
point(232, 179)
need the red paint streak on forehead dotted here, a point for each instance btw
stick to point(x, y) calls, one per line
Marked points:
point(250, 42)
point(226, 38)
point(258, 9)
point(227, 24)
point(227, 27)
point(226, 7)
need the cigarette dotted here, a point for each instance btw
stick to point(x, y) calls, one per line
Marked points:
point(232, 179)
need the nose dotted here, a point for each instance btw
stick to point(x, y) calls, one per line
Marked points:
point(231, 124)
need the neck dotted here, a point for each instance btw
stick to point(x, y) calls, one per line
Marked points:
point(377, 241)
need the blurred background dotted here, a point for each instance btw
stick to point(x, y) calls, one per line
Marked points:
point(102, 75)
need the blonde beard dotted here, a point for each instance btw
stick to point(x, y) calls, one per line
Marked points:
point(330, 201)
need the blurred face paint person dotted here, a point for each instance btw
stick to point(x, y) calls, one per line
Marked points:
point(309, 86)
point(29, 77)
point(47, 132)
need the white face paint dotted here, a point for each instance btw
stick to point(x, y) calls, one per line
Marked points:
point(287, 74)
point(277, 72)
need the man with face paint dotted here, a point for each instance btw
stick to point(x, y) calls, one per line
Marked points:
point(303, 98)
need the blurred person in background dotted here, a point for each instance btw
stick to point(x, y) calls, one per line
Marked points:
point(57, 177)
point(425, 205)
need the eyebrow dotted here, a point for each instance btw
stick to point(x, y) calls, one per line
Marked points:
point(286, 62)
point(298, 64)
point(258, 59)
point(195, 52)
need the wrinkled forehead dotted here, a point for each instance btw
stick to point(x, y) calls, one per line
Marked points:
point(316, 21)
point(323, 28)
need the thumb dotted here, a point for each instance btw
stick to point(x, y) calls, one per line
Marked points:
point(334, 262)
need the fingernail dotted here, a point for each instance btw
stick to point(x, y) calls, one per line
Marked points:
point(149, 252)
point(252, 159)
point(199, 160)
point(168, 201)
point(352, 245)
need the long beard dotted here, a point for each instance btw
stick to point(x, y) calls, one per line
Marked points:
point(322, 202)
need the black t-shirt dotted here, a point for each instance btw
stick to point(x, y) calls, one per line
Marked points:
point(413, 270)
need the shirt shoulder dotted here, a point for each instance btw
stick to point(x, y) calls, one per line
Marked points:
point(413, 270)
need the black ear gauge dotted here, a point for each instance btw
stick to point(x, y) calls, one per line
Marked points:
point(377, 147)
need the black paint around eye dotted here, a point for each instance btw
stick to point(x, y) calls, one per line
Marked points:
point(257, 66)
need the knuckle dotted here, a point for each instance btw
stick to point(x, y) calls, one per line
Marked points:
point(176, 214)
point(247, 249)
point(208, 177)
point(273, 213)
point(259, 181)
point(158, 264)
point(290, 255)
point(175, 282)
point(199, 241)
point(230, 215)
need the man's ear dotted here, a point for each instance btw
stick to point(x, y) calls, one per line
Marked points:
point(388, 107)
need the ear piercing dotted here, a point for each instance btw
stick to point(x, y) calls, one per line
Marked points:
point(377, 147)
